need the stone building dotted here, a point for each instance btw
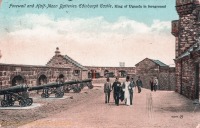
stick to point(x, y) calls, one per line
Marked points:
point(58, 60)
point(99, 72)
point(149, 68)
point(187, 38)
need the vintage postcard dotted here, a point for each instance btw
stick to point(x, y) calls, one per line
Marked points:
point(99, 63)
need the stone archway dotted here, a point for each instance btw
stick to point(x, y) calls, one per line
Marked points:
point(90, 74)
point(106, 73)
point(42, 79)
point(61, 78)
point(17, 80)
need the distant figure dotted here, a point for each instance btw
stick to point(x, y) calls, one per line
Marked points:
point(139, 84)
point(151, 83)
point(127, 85)
point(155, 84)
point(131, 90)
point(116, 87)
point(107, 90)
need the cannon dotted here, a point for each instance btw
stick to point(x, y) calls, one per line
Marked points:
point(20, 93)
point(87, 82)
point(52, 88)
point(58, 89)
point(16, 93)
point(80, 84)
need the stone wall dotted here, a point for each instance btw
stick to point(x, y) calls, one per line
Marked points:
point(31, 74)
point(84, 75)
point(166, 78)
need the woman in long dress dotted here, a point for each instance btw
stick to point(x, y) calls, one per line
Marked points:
point(126, 90)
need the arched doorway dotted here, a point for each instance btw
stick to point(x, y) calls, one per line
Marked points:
point(61, 78)
point(17, 80)
point(106, 73)
point(42, 80)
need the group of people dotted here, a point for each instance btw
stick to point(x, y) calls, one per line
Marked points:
point(122, 91)
point(154, 84)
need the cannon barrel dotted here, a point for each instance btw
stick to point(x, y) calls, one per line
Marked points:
point(14, 89)
point(77, 81)
point(22, 88)
point(86, 80)
point(52, 85)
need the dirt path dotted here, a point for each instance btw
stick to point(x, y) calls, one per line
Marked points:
point(159, 109)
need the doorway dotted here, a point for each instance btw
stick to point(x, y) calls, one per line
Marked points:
point(17, 80)
point(197, 81)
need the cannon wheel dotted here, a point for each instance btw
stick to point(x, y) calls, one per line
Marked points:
point(59, 95)
point(11, 103)
point(29, 101)
point(44, 95)
point(22, 103)
point(81, 85)
point(66, 90)
point(77, 89)
point(90, 86)
point(4, 103)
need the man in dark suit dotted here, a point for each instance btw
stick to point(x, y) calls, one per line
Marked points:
point(116, 90)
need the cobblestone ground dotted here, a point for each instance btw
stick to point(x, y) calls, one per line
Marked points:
point(161, 109)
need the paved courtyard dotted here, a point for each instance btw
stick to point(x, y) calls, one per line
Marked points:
point(161, 109)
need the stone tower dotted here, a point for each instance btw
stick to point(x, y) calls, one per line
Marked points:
point(186, 28)
point(187, 32)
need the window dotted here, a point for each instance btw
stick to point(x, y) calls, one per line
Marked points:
point(76, 72)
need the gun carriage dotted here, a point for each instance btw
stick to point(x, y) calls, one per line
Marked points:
point(16, 93)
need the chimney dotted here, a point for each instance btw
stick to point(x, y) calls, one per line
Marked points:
point(57, 52)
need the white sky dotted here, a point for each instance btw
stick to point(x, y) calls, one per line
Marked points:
point(92, 42)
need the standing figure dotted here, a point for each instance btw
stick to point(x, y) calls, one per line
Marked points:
point(126, 90)
point(151, 83)
point(116, 90)
point(139, 84)
point(155, 83)
point(107, 90)
point(132, 84)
